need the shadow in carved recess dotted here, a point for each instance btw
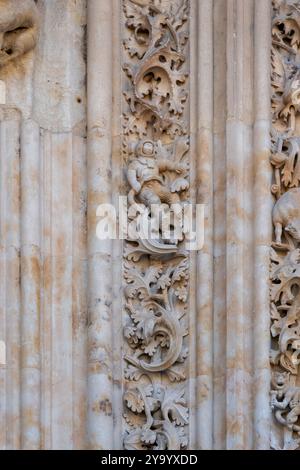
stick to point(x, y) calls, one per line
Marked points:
point(18, 28)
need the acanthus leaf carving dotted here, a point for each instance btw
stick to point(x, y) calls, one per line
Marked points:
point(285, 251)
point(162, 415)
point(155, 326)
point(156, 265)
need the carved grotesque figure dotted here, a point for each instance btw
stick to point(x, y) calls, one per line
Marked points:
point(291, 101)
point(286, 214)
point(18, 28)
point(151, 187)
point(286, 400)
point(145, 176)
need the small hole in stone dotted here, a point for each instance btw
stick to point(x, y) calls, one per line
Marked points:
point(162, 59)
point(9, 51)
point(79, 100)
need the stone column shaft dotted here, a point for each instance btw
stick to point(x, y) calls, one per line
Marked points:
point(262, 224)
point(99, 114)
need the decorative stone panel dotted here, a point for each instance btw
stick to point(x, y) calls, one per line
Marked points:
point(285, 274)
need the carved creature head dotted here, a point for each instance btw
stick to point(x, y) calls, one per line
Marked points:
point(18, 28)
point(291, 96)
point(280, 379)
point(293, 228)
point(146, 148)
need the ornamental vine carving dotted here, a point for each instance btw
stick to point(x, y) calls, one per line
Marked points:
point(285, 251)
point(156, 265)
point(19, 21)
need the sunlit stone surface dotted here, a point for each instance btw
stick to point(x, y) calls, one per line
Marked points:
point(112, 344)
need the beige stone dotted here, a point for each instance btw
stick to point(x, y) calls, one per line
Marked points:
point(115, 344)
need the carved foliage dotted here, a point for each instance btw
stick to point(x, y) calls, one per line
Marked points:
point(285, 253)
point(165, 415)
point(155, 43)
point(285, 402)
point(156, 266)
point(156, 304)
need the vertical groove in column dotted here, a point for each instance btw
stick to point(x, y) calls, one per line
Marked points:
point(79, 291)
point(219, 177)
point(205, 257)
point(61, 301)
point(3, 277)
point(193, 355)
point(46, 291)
point(262, 224)
point(30, 285)
point(100, 385)
point(10, 157)
point(63, 221)
point(57, 299)
point(239, 213)
point(117, 182)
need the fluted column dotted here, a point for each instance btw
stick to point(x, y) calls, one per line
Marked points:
point(219, 190)
point(204, 169)
point(62, 290)
point(100, 82)
point(10, 300)
point(30, 284)
point(262, 223)
point(239, 168)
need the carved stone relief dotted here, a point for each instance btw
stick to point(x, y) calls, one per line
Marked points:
point(18, 28)
point(285, 252)
point(156, 267)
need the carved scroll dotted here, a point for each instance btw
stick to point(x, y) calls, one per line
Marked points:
point(156, 268)
point(285, 252)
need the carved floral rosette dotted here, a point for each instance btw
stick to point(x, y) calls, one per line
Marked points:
point(155, 144)
point(285, 251)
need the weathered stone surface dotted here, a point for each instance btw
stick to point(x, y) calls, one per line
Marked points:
point(113, 343)
point(285, 323)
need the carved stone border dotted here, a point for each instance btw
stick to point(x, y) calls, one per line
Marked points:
point(285, 253)
point(155, 150)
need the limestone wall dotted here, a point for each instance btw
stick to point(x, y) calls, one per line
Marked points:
point(110, 344)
